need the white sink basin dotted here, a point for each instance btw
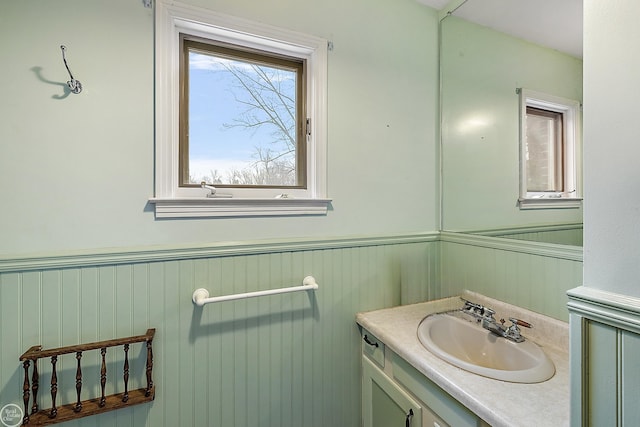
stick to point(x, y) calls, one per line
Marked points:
point(467, 345)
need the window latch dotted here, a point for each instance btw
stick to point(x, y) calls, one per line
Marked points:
point(308, 130)
point(214, 191)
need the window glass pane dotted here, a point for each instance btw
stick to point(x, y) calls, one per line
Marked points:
point(243, 120)
point(543, 150)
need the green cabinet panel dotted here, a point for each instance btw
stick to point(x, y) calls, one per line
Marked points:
point(449, 409)
point(384, 404)
point(400, 396)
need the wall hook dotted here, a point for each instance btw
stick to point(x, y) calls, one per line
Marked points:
point(74, 85)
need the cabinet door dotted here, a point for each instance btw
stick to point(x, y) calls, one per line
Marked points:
point(384, 403)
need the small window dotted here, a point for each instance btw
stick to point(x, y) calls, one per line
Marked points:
point(550, 151)
point(242, 107)
point(544, 151)
point(242, 117)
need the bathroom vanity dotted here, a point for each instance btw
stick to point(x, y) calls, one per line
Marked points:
point(406, 384)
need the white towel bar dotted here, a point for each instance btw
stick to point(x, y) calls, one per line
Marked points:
point(201, 296)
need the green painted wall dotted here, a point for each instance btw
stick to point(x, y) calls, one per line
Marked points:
point(606, 369)
point(532, 275)
point(611, 82)
point(605, 377)
point(481, 69)
point(559, 234)
point(286, 360)
point(283, 360)
point(82, 257)
point(76, 171)
point(569, 237)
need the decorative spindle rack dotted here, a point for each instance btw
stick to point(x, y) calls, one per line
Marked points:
point(34, 416)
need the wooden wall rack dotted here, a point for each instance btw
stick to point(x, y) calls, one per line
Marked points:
point(34, 416)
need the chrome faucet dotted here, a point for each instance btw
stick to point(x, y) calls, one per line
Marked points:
point(485, 315)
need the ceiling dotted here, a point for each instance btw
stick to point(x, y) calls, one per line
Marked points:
point(553, 23)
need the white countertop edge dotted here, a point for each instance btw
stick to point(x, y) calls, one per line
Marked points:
point(497, 402)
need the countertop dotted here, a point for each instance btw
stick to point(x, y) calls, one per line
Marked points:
point(499, 403)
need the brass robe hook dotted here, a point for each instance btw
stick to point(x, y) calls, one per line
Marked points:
point(74, 85)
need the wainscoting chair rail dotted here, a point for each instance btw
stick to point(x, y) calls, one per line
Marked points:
point(201, 297)
point(35, 416)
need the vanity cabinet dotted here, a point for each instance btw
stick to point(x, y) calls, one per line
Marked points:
point(396, 394)
point(384, 403)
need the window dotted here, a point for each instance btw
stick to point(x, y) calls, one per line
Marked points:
point(240, 107)
point(544, 151)
point(549, 151)
point(242, 121)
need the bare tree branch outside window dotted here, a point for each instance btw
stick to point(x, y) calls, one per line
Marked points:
point(267, 97)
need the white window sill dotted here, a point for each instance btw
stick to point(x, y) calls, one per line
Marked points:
point(237, 207)
point(550, 203)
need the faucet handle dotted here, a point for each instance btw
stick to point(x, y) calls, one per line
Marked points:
point(473, 309)
point(468, 305)
point(513, 332)
point(488, 313)
point(517, 322)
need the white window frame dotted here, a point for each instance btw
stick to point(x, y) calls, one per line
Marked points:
point(173, 201)
point(570, 110)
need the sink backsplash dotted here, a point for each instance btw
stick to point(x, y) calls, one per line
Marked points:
point(545, 331)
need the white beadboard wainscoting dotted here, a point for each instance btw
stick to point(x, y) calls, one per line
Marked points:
point(280, 360)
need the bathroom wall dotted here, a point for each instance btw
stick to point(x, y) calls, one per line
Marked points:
point(82, 257)
point(611, 170)
point(560, 234)
point(572, 237)
point(285, 360)
point(605, 312)
point(534, 275)
point(76, 171)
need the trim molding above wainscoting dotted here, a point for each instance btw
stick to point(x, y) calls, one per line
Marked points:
point(524, 229)
point(573, 253)
point(619, 311)
point(605, 340)
point(114, 256)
